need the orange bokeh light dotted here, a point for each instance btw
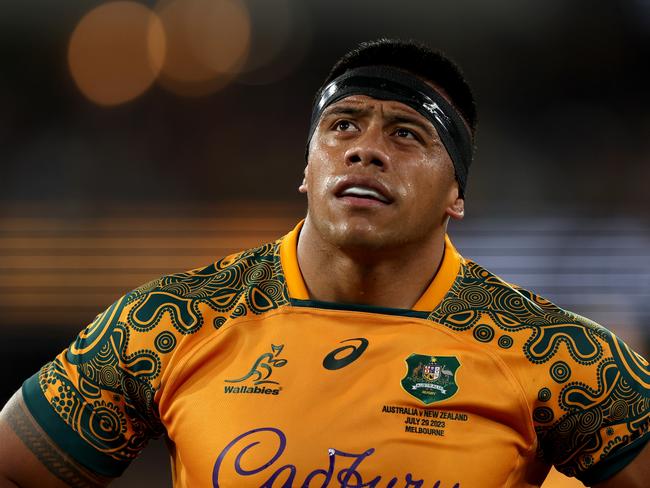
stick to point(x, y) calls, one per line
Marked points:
point(207, 43)
point(116, 52)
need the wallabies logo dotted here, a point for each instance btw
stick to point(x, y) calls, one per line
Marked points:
point(260, 373)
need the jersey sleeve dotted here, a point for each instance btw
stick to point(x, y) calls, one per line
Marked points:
point(593, 414)
point(95, 400)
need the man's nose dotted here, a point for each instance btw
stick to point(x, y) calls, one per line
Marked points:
point(369, 149)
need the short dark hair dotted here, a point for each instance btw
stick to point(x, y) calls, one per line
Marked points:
point(417, 58)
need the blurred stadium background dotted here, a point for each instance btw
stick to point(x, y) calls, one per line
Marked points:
point(142, 138)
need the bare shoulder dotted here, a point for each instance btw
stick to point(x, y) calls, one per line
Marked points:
point(28, 457)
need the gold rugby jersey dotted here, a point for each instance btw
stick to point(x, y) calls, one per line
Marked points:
point(481, 384)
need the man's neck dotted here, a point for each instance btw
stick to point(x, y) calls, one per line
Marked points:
point(384, 279)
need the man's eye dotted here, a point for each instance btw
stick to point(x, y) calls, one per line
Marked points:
point(402, 132)
point(344, 126)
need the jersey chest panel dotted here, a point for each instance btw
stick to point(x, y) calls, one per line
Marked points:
point(323, 398)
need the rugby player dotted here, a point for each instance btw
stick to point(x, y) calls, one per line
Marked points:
point(361, 349)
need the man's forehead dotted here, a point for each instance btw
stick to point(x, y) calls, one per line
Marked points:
point(365, 102)
point(397, 106)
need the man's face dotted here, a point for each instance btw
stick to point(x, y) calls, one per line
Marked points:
point(378, 176)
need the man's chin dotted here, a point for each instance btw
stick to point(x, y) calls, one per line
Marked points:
point(360, 235)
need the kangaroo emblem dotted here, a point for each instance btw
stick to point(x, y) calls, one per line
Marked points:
point(263, 367)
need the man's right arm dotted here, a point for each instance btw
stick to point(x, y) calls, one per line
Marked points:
point(85, 415)
point(29, 458)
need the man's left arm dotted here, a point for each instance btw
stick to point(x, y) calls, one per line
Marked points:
point(593, 415)
point(634, 475)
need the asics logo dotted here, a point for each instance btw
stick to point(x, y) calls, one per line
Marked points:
point(344, 355)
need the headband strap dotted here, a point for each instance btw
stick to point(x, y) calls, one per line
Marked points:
point(388, 83)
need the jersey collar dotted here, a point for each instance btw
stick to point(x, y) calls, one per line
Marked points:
point(429, 300)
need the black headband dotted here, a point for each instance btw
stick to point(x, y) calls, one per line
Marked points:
point(388, 83)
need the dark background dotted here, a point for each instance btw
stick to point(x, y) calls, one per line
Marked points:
point(98, 199)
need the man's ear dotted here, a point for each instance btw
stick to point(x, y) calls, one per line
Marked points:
point(456, 210)
point(303, 186)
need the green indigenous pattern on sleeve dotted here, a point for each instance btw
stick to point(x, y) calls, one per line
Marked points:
point(588, 391)
point(254, 384)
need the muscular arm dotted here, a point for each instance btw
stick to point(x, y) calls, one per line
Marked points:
point(634, 475)
point(29, 458)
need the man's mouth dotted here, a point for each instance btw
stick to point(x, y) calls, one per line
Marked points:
point(360, 189)
point(364, 192)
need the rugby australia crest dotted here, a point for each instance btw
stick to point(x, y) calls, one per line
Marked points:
point(431, 379)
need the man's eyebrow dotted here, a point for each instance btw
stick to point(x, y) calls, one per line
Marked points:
point(391, 118)
point(345, 110)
